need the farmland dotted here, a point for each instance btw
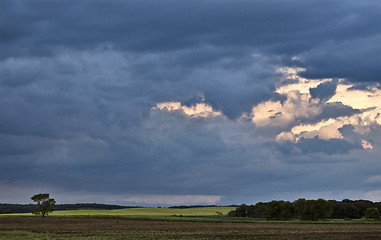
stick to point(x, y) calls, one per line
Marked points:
point(128, 228)
point(173, 223)
point(142, 212)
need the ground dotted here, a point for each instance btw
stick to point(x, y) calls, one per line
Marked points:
point(126, 228)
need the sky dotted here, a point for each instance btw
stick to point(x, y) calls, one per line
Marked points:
point(175, 102)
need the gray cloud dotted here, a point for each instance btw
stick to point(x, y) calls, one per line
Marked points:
point(306, 146)
point(79, 79)
point(354, 60)
point(334, 110)
point(347, 35)
point(325, 90)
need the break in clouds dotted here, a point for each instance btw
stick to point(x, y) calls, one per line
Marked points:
point(190, 102)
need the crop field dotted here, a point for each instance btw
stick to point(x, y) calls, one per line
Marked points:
point(152, 212)
point(126, 228)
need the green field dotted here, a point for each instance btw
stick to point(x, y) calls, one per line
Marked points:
point(143, 212)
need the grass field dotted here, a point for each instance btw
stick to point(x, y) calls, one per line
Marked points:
point(148, 212)
point(126, 228)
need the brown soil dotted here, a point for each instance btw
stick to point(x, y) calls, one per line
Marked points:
point(119, 228)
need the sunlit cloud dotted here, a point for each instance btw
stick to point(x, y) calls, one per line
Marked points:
point(360, 99)
point(361, 123)
point(296, 114)
point(198, 110)
point(324, 129)
point(299, 83)
point(300, 107)
point(276, 113)
point(286, 136)
point(366, 145)
point(311, 127)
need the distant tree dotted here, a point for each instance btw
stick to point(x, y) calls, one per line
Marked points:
point(257, 211)
point(251, 211)
point(45, 204)
point(241, 211)
point(323, 209)
point(372, 213)
point(363, 205)
point(300, 206)
point(306, 209)
point(351, 208)
point(279, 210)
point(313, 209)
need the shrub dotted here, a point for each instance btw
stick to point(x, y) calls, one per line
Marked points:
point(372, 213)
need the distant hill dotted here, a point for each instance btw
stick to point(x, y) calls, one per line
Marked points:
point(27, 208)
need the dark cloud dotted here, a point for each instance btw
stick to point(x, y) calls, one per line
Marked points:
point(334, 110)
point(79, 81)
point(328, 36)
point(324, 91)
point(332, 146)
point(355, 60)
point(317, 145)
point(365, 86)
point(348, 132)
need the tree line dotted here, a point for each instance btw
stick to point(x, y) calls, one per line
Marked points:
point(303, 209)
point(28, 208)
point(275, 210)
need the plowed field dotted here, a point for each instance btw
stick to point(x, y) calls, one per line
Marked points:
point(121, 228)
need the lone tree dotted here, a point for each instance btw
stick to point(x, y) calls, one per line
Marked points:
point(45, 204)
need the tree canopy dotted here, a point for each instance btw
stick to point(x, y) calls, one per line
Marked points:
point(284, 210)
point(45, 204)
point(372, 213)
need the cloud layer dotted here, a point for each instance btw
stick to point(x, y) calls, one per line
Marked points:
point(226, 101)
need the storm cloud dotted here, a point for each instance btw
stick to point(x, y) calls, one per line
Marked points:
point(80, 82)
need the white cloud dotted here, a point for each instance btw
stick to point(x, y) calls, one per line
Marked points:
point(374, 196)
point(276, 113)
point(299, 106)
point(286, 136)
point(301, 84)
point(299, 129)
point(366, 145)
point(198, 110)
point(359, 99)
point(328, 129)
